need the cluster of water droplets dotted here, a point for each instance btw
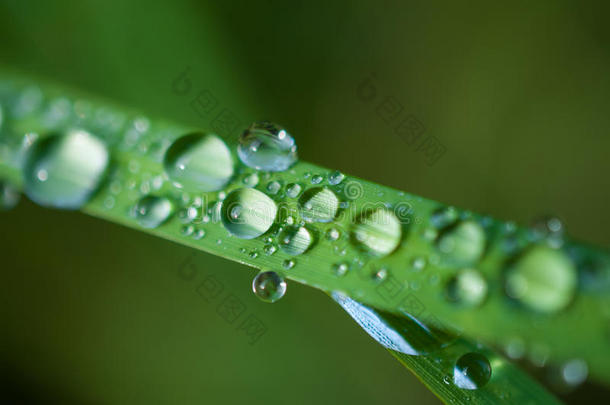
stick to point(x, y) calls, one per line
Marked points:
point(67, 166)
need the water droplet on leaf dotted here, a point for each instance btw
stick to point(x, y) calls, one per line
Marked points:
point(269, 286)
point(267, 146)
point(318, 204)
point(378, 231)
point(152, 211)
point(199, 162)
point(247, 213)
point(472, 371)
point(64, 171)
point(543, 279)
point(295, 241)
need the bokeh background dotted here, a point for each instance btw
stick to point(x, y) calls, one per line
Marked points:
point(95, 313)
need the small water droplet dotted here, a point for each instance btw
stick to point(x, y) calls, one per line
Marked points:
point(316, 179)
point(269, 286)
point(253, 254)
point(289, 263)
point(467, 288)
point(335, 178)
point(378, 231)
point(251, 180)
point(332, 234)
point(549, 228)
point(64, 171)
point(187, 230)
point(543, 279)
point(462, 244)
point(274, 187)
point(199, 234)
point(472, 371)
point(151, 211)
point(340, 269)
point(574, 372)
point(9, 196)
point(293, 190)
point(318, 204)
point(295, 241)
point(418, 263)
point(267, 146)
point(199, 162)
point(380, 275)
point(248, 213)
point(515, 348)
point(269, 249)
point(109, 202)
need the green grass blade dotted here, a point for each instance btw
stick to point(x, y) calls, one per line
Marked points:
point(392, 283)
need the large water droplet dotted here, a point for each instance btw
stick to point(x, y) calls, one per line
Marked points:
point(462, 244)
point(403, 334)
point(269, 286)
point(543, 279)
point(472, 371)
point(9, 196)
point(295, 241)
point(267, 146)
point(318, 204)
point(247, 213)
point(467, 288)
point(377, 231)
point(63, 171)
point(152, 211)
point(199, 162)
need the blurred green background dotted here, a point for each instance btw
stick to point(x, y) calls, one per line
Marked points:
point(96, 313)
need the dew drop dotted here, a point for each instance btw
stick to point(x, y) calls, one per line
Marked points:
point(472, 371)
point(378, 231)
point(316, 179)
point(64, 171)
point(295, 241)
point(267, 146)
point(293, 190)
point(574, 372)
point(269, 286)
point(418, 263)
point(247, 213)
point(289, 263)
point(274, 187)
point(340, 269)
point(199, 234)
point(467, 288)
point(199, 162)
point(251, 180)
point(152, 211)
point(543, 279)
point(332, 234)
point(187, 230)
point(269, 249)
point(318, 204)
point(462, 244)
point(9, 196)
point(335, 178)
